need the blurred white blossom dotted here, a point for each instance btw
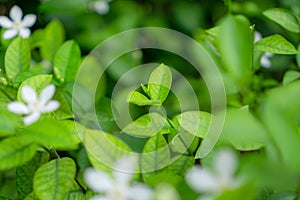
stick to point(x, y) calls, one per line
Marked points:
point(17, 26)
point(101, 7)
point(219, 179)
point(35, 105)
point(265, 58)
point(118, 186)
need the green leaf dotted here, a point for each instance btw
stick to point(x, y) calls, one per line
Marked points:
point(195, 122)
point(243, 131)
point(283, 196)
point(26, 173)
point(181, 164)
point(75, 193)
point(104, 149)
point(54, 179)
point(38, 83)
point(275, 44)
point(147, 125)
point(284, 18)
point(159, 83)
point(49, 132)
point(54, 35)
point(184, 142)
point(17, 57)
point(32, 196)
point(298, 56)
point(235, 41)
point(15, 152)
point(8, 123)
point(156, 154)
point(290, 76)
point(66, 61)
point(36, 39)
point(141, 100)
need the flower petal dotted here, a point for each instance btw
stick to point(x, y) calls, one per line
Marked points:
point(201, 180)
point(18, 107)
point(8, 34)
point(225, 163)
point(51, 106)
point(265, 62)
point(124, 169)
point(16, 13)
point(5, 22)
point(98, 181)
point(46, 94)
point(140, 192)
point(257, 36)
point(32, 118)
point(101, 7)
point(28, 94)
point(29, 20)
point(24, 32)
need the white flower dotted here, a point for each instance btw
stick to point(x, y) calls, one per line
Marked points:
point(265, 58)
point(117, 187)
point(217, 180)
point(100, 7)
point(17, 26)
point(35, 106)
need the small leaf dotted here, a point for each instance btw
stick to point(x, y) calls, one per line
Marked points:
point(104, 149)
point(156, 154)
point(17, 57)
point(275, 44)
point(66, 61)
point(54, 35)
point(147, 125)
point(54, 179)
point(141, 100)
point(160, 83)
point(284, 18)
point(48, 132)
point(26, 173)
point(195, 122)
point(38, 83)
point(15, 152)
point(290, 76)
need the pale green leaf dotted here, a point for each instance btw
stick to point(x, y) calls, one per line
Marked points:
point(38, 83)
point(8, 123)
point(156, 154)
point(104, 149)
point(235, 42)
point(32, 196)
point(15, 152)
point(140, 99)
point(26, 173)
point(284, 18)
point(275, 44)
point(54, 179)
point(54, 35)
point(66, 61)
point(195, 122)
point(159, 83)
point(147, 125)
point(290, 76)
point(184, 142)
point(49, 132)
point(17, 57)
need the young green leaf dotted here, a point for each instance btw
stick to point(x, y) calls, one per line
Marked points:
point(26, 173)
point(38, 83)
point(195, 122)
point(54, 35)
point(159, 83)
point(284, 18)
point(54, 179)
point(15, 152)
point(48, 132)
point(156, 154)
point(141, 100)
point(290, 76)
point(235, 41)
point(147, 125)
point(66, 61)
point(17, 57)
point(275, 44)
point(104, 149)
